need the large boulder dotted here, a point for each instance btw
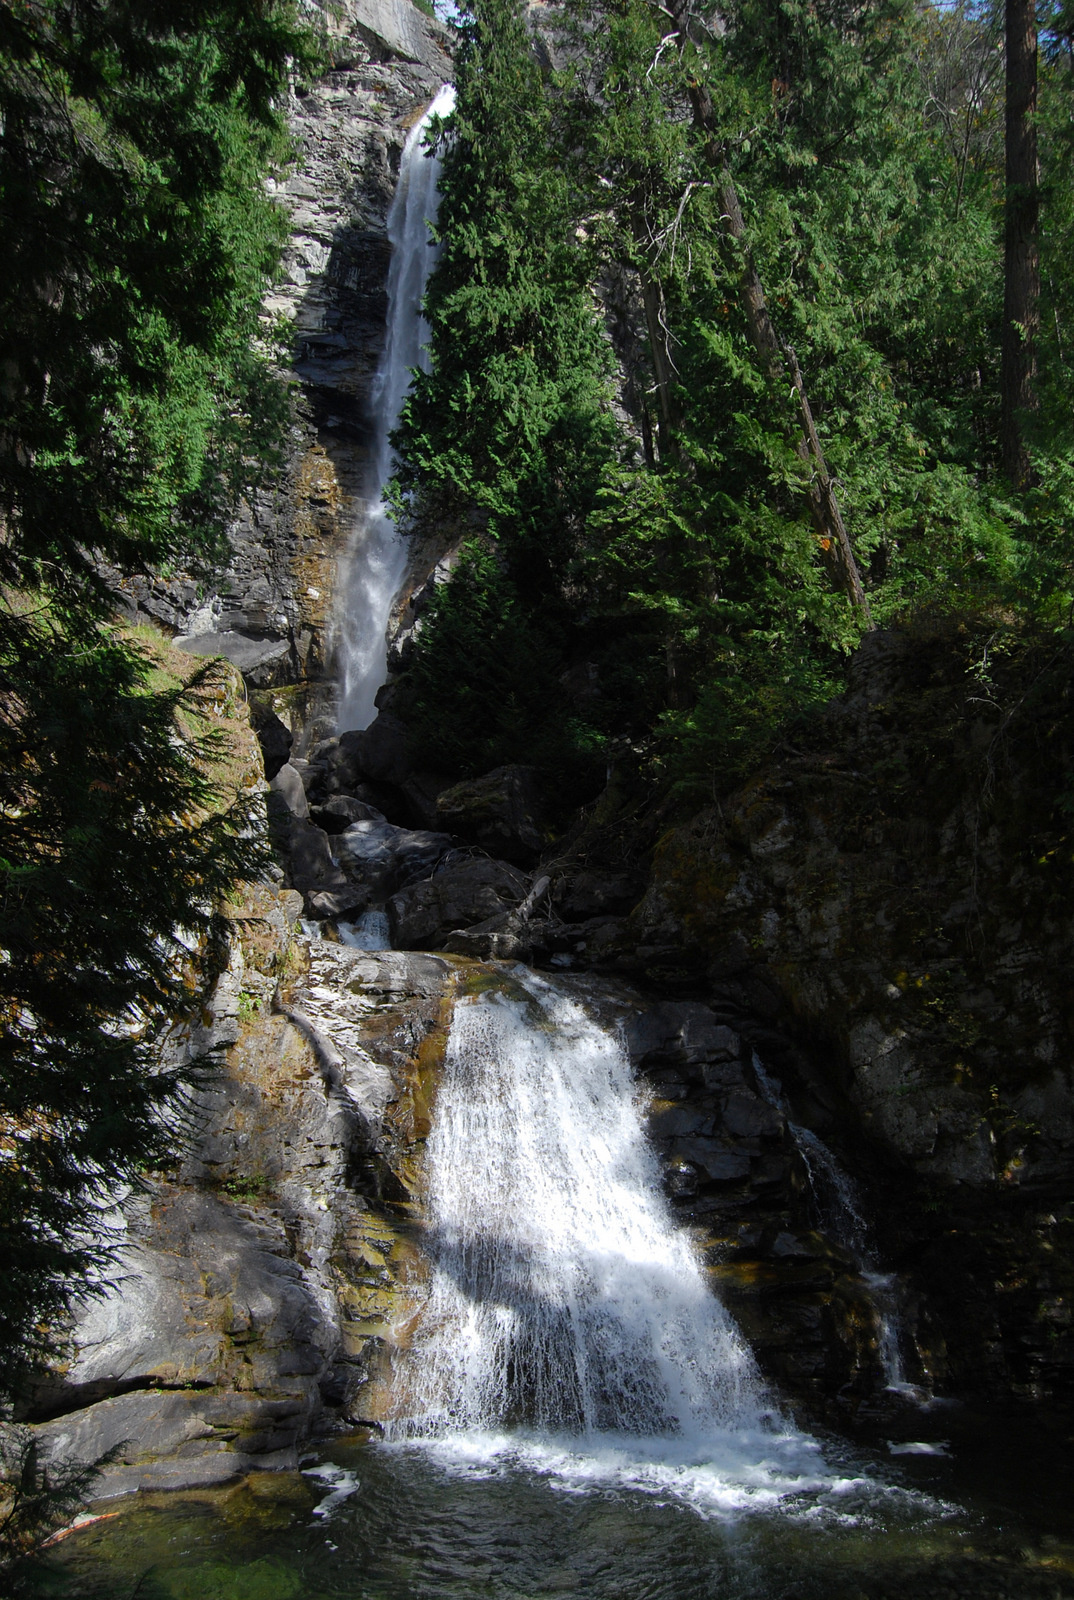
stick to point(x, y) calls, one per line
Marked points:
point(337, 814)
point(311, 866)
point(382, 751)
point(499, 811)
point(372, 764)
point(287, 783)
point(423, 916)
point(383, 858)
point(596, 893)
point(275, 739)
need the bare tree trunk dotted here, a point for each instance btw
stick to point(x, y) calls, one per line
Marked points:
point(1021, 254)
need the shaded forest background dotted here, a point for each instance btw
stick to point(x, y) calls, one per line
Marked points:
point(723, 288)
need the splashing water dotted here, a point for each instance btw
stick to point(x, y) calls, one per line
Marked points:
point(568, 1325)
point(842, 1215)
point(378, 560)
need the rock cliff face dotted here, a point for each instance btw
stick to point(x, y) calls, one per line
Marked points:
point(888, 916)
point(264, 1279)
point(272, 611)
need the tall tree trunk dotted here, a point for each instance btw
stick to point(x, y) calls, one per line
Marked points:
point(1021, 254)
point(778, 362)
point(663, 366)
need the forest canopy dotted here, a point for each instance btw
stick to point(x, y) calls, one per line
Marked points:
point(722, 297)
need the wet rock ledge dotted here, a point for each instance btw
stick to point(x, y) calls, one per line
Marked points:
point(262, 1281)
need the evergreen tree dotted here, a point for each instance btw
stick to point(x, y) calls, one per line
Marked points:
point(135, 242)
point(751, 194)
point(509, 434)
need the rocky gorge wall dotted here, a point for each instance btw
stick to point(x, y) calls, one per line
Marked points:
point(886, 912)
point(861, 946)
point(272, 611)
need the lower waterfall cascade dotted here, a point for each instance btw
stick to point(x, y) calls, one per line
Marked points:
point(573, 1412)
point(567, 1316)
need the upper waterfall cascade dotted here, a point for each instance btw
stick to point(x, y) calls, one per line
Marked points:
point(378, 559)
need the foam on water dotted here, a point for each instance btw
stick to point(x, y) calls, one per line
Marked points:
point(569, 1331)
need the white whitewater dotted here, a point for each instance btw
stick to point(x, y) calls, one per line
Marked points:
point(378, 560)
point(568, 1323)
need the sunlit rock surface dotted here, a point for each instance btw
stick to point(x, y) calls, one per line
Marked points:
point(272, 611)
point(263, 1280)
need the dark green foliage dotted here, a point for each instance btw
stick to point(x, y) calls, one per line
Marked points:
point(136, 238)
point(113, 861)
point(134, 241)
point(512, 430)
point(873, 207)
point(36, 1500)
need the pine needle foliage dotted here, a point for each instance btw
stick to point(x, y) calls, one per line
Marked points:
point(689, 579)
point(137, 398)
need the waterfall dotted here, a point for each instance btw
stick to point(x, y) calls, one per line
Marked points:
point(564, 1301)
point(842, 1216)
point(378, 559)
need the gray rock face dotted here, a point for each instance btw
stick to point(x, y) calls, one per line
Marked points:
point(424, 915)
point(337, 814)
point(260, 1285)
point(310, 861)
point(288, 785)
point(500, 812)
point(382, 858)
point(275, 739)
point(381, 753)
point(588, 894)
point(364, 852)
point(271, 612)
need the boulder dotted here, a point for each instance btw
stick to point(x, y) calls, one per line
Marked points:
point(499, 938)
point(288, 783)
point(719, 1163)
point(499, 811)
point(275, 739)
point(747, 1117)
point(335, 769)
point(592, 893)
point(335, 905)
point(341, 810)
point(379, 753)
point(423, 916)
point(681, 1032)
point(421, 792)
point(418, 851)
point(364, 852)
point(309, 859)
point(383, 858)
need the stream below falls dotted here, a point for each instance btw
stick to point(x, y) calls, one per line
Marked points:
point(576, 1413)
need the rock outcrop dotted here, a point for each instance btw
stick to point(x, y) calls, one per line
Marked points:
point(264, 1279)
point(887, 915)
point(272, 611)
